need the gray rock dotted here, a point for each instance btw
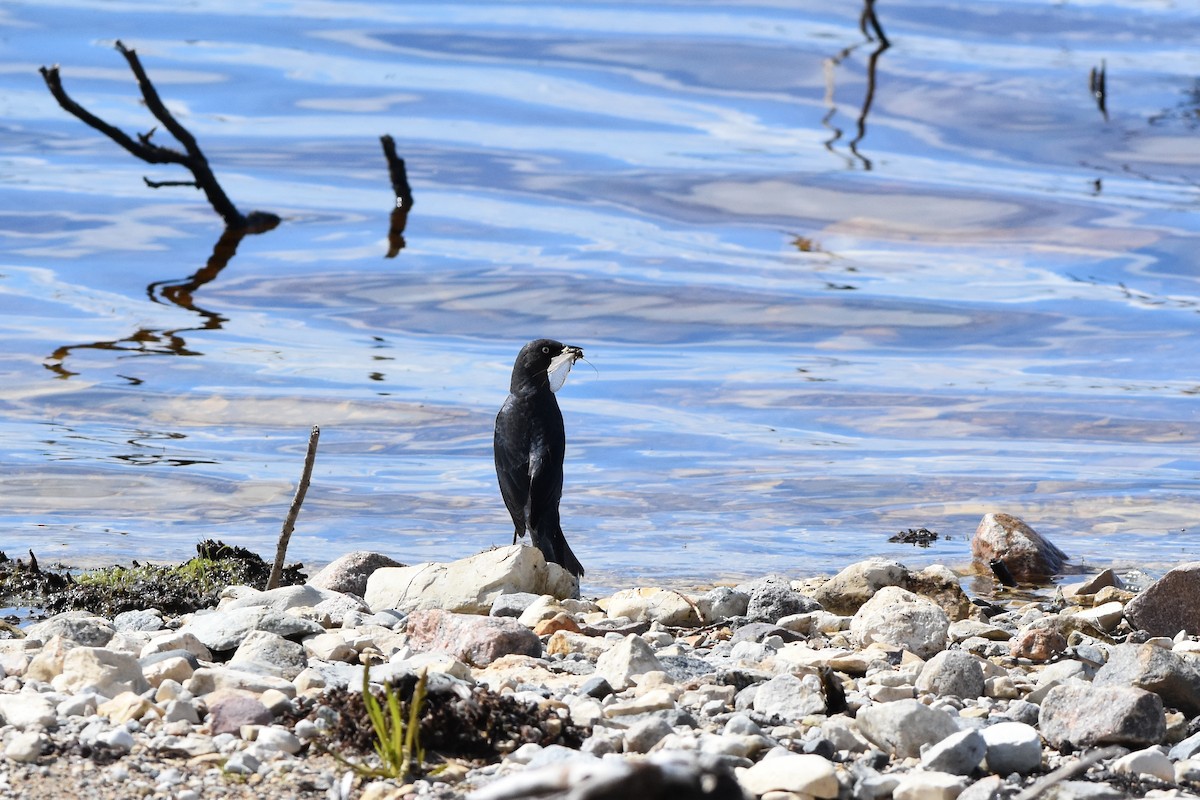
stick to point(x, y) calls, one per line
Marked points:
point(952, 673)
point(280, 599)
point(1186, 749)
point(643, 735)
point(81, 627)
point(1012, 747)
point(958, 754)
point(993, 787)
point(473, 639)
point(1027, 554)
point(900, 618)
point(149, 620)
point(225, 629)
point(1169, 604)
point(269, 654)
point(24, 747)
point(513, 604)
point(685, 668)
point(790, 697)
point(242, 762)
point(1081, 715)
point(348, 574)
point(773, 597)
point(902, 726)
point(1172, 677)
point(1083, 790)
point(229, 711)
point(722, 603)
point(845, 592)
point(596, 686)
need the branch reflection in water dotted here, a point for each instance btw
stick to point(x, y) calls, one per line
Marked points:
point(159, 341)
point(873, 31)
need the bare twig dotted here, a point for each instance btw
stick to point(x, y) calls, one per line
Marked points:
point(289, 524)
point(192, 157)
point(404, 198)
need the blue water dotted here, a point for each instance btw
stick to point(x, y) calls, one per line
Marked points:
point(808, 327)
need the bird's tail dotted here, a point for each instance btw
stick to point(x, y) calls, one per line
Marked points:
point(555, 548)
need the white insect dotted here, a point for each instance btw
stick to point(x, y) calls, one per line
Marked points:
point(560, 366)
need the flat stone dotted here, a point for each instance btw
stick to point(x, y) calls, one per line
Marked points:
point(27, 710)
point(148, 620)
point(665, 606)
point(797, 772)
point(269, 654)
point(106, 672)
point(81, 627)
point(230, 710)
point(225, 629)
point(929, 786)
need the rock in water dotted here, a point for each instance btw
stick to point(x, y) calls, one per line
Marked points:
point(1027, 554)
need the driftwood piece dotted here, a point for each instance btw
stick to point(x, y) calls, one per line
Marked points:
point(404, 198)
point(289, 524)
point(191, 157)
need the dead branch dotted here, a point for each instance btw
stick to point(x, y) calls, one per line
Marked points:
point(289, 524)
point(192, 157)
point(404, 198)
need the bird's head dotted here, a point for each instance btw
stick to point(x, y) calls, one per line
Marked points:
point(543, 362)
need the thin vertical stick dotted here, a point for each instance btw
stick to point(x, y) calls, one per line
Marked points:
point(289, 524)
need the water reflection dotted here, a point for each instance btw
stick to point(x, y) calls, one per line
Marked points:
point(404, 196)
point(159, 341)
point(870, 21)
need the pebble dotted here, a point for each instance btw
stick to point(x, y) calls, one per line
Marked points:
point(775, 689)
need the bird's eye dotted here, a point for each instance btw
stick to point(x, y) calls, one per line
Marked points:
point(545, 349)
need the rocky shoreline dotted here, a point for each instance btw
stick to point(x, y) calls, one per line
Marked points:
point(878, 682)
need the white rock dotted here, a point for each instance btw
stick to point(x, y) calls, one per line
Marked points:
point(1150, 761)
point(168, 669)
point(665, 606)
point(329, 647)
point(630, 657)
point(1106, 616)
point(275, 738)
point(24, 747)
point(176, 640)
point(27, 710)
point(796, 772)
point(469, 585)
point(207, 680)
point(929, 786)
point(900, 618)
point(118, 737)
point(1012, 747)
point(269, 654)
point(106, 672)
point(282, 598)
point(790, 697)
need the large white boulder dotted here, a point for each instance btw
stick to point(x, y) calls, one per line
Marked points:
point(469, 585)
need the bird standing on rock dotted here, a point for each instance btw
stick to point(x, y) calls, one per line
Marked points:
point(530, 443)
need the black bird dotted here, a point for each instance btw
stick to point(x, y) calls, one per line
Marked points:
point(530, 443)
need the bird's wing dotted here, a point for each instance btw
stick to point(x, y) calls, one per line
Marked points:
point(512, 463)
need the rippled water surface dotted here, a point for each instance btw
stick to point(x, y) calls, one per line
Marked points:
point(830, 290)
